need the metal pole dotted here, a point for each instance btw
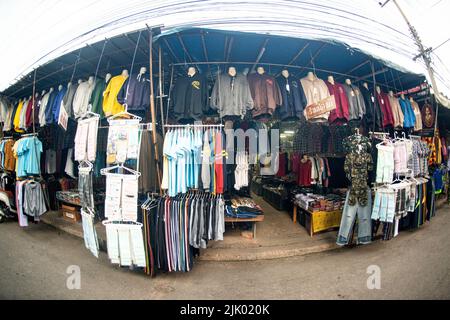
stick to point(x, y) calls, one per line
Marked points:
point(152, 109)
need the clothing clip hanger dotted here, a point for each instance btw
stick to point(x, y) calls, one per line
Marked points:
point(89, 114)
point(105, 171)
point(125, 114)
point(85, 164)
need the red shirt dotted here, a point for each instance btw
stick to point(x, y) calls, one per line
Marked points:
point(29, 114)
point(218, 163)
point(304, 173)
point(340, 114)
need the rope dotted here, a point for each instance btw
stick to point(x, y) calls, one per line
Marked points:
point(131, 70)
point(99, 60)
point(75, 66)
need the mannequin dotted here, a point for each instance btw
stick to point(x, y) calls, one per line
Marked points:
point(260, 70)
point(191, 71)
point(378, 89)
point(232, 71)
point(402, 96)
point(365, 85)
point(285, 73)
point(125, 72)
point(51, 90)
point(331, 80)
point(80, 81)
point(91, 80)
point(107, 77)
point(43, 92)
point(141, 73)
point(60, 87)
point(391, 93)
point(30, 97)
point(310, 76)
point(411, 99)
point(348, 81)
point(69, 84)
point(245, 71)
point(36, 95)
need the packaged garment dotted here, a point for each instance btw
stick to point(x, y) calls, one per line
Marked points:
point(89, 232)
point(86, 139)
point(121, 196)
point(123, 141)
point(125, 244)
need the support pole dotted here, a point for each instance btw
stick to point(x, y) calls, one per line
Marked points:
point(161, 91)
point(152, 109)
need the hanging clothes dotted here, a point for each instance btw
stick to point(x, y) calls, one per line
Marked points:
point(374, 116)
point(86, 139)
point(121, 196)
point(111, 105)
point(137, 97)
point(386, 109)
point(357, 107)
point(409, 119)
point(96, 100)
point(27, 152)
point(396, 112)
point(418, 115)
point(341, 114)
point(266, 94)
point(293, 98)
point(123, 141)
point(190, 97)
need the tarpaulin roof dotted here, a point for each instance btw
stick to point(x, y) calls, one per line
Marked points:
point(34, 33)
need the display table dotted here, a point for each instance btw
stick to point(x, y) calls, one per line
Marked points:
point(317, 221)
point(258, 218)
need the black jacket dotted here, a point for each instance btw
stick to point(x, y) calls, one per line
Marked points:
point(373, 119)
point(138, 97)
point(293, 100)
point(190, 97)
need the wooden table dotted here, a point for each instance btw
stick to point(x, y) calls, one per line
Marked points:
point(318, 221)
point(258, 218)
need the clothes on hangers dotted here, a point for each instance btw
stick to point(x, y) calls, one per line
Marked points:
point(385, 163)
point(123, 141)
point(418, 116)
point(30, 201)
point(241, 171)
point(356, 105)
point(81, 98)
point(85, 188)
point(86, 139)
point(89, 232)
point(397, 112)
point(67, 101)
point(138, 96)
point(125, 244)
point(96, 100)
point(386, 109)
point(341, 114)
point(121, 196)
point(7, 159)
point(27, 152)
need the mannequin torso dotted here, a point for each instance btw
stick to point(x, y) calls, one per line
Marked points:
point(107, 77)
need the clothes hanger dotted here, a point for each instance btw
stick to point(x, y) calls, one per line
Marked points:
point(127, 115)
point(106, 171)
point(85, 164)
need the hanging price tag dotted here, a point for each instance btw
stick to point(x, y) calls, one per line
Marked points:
point(63, 118)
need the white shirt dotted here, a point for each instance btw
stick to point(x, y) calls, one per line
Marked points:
point(42, 107)
point(81, 98)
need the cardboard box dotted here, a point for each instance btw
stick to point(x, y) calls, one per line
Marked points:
point(70, 213)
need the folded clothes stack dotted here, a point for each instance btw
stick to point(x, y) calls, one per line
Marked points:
point(315, 202)
point(240, 207)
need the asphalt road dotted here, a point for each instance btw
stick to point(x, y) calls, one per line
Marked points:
point(415, 265)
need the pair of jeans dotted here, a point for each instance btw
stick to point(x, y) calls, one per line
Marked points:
point(349, 217)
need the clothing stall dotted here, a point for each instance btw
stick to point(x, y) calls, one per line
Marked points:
point(168, 161)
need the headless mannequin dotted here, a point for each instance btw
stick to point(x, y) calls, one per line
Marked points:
point(232, 71)
point(141, 73)
point(391, 94)
point(43, 92)
point(80, 81)
point(311, 76)
point(285, 73)
point(91, 80)
point(36, 95)
point(411, 99)
point(191, 71)
point(30, 97)
point(60, 87)
point(245, 71)
point(402, 96)
point(125, 72)
point(69, 84)
point(51, 90)
point(107, 77)
point(348, 82)
point(365, 85)
point(331, 80)
point(260, 70)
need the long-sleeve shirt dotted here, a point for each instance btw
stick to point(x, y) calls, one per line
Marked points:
point(49, 108)
point(265, 92)
point(357, 107)
point(383, 101)
point(206, 154)
point(138, 96)
point(373, 117)
point(57, 105)
point(397, 112)
point(42, 107)
point(110, 104)
point(418, 115)
point(81, 98)
point(231, 96)
point(293, 99)
point(341, 113)
point(315, 90)
point(190, 97)
point(67, 101)
point(96, 100)
point(409, 119)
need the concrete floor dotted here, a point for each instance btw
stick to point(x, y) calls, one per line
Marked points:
point(414, 265)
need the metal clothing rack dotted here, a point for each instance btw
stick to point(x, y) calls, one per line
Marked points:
point(194, 125)
point(142, 126)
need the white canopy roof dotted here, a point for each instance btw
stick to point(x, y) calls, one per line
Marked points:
point(35, 32)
